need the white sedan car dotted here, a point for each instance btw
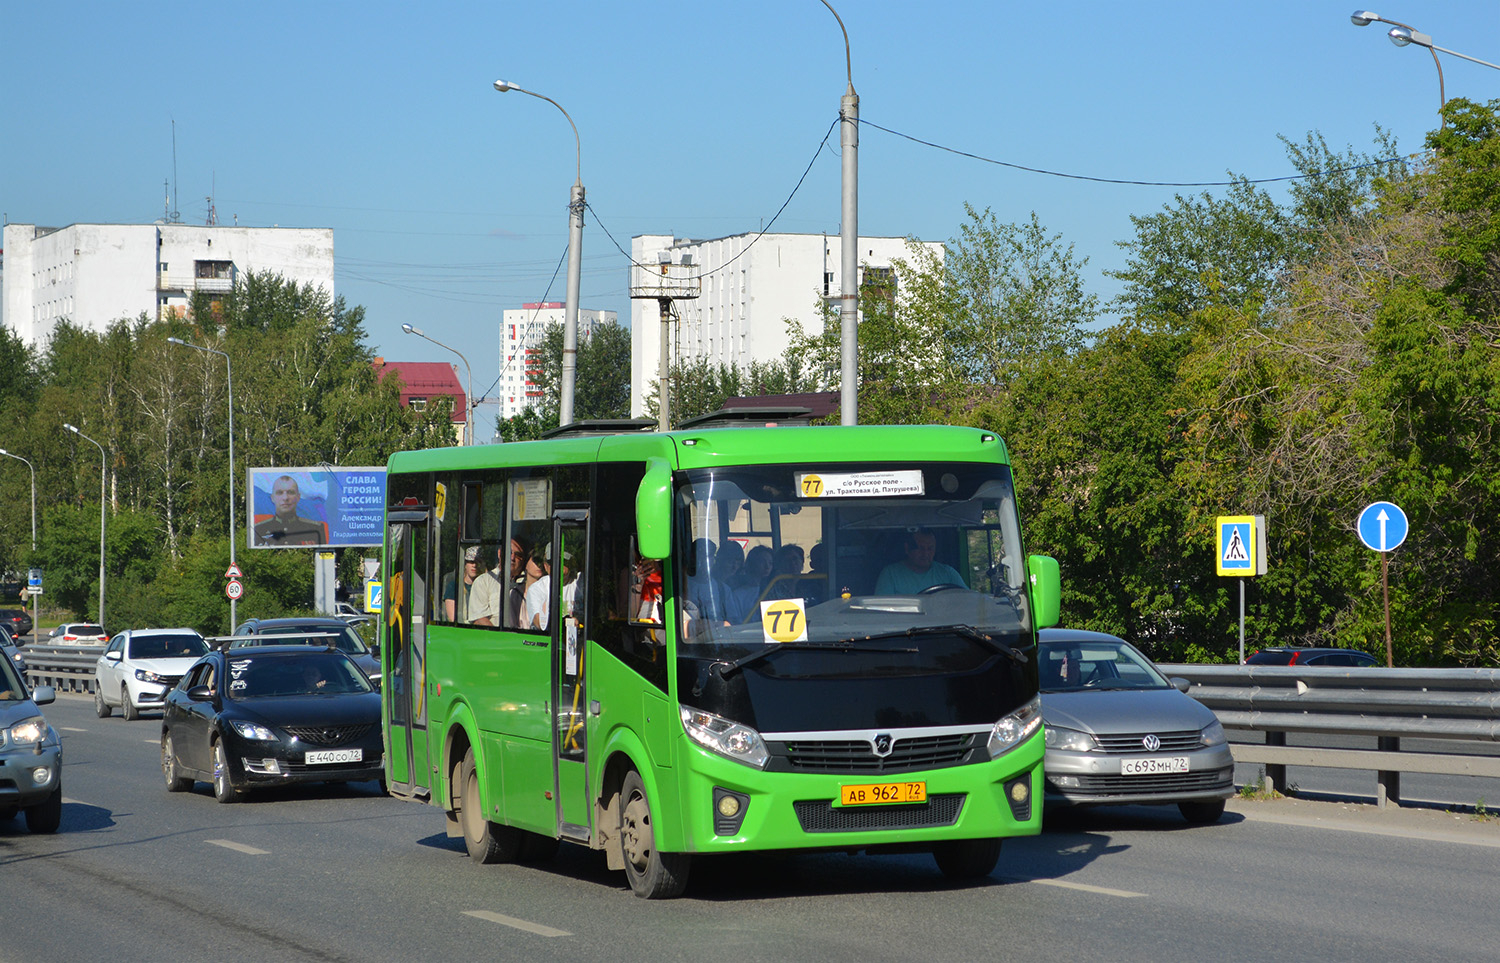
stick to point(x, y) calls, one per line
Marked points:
point(140, 666)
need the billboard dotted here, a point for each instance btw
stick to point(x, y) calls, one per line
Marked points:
point(320, 507)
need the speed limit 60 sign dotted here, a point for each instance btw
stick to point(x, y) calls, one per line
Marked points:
point(235, 589)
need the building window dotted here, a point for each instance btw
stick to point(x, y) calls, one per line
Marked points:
point(222, 270)
point(417, 404)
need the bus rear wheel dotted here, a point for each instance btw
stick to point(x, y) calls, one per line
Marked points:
point(486, 842)
point(967, 858)
point(652, 873)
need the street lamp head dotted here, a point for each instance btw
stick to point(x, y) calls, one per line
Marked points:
point(176, 341)
point(1401, 36)
point(410, 329)
point(1363, 18)
point(504, 85)
point(70, 428)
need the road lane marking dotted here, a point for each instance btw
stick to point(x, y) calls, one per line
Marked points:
point(1081, 887)
point(152, 742)
point(514, 923)
point(239, 847)
point(71, 729)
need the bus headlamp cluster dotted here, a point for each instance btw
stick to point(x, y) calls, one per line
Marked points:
point(1015, 728)
point(724, 736)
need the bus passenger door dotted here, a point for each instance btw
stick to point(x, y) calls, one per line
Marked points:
point(569, 629)
point(403, 655)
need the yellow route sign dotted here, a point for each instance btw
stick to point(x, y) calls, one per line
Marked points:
point(784, 620)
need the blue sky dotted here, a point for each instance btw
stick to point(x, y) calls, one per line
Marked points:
point(448, 200)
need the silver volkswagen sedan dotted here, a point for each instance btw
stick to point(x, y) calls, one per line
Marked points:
point(1119, 732)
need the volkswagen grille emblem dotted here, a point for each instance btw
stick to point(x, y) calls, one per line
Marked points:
point(1151, 743)
point(882, 744)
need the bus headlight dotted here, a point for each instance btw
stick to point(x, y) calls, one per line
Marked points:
point(727, 738)
point(1015, 728)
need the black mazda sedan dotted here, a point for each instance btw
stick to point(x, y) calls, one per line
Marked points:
point(271, 716)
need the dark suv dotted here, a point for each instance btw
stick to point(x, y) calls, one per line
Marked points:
point(17, 620)
point(1296, 655)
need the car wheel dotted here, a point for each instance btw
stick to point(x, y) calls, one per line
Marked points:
point(223, 788)
point(967, 858)
point(486, 842)
point(1202, 813)
point(127, 708)
point(176, 781)
point(652, 874)
point(101, 708)
point(46, 815)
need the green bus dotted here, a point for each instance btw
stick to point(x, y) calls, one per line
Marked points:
point(668, 645)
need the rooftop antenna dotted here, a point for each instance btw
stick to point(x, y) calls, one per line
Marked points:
point(173, 216)
point(213, 215)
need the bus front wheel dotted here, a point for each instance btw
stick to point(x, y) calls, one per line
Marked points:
point(652, 873)
point(486, 842)
point(967, 858)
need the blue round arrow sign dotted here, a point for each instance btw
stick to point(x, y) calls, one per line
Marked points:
point(1382, 526)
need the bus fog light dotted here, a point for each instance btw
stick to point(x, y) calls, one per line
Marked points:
point(729, 811)
point(1020, 791)
point(729, 807)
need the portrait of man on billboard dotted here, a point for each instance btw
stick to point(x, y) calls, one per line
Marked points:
point(286, 526)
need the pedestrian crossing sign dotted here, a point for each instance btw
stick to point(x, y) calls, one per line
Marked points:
point(374, 595)
point(1242, 545)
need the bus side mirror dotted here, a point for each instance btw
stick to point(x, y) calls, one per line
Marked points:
point(1046, 590)
point(653, 510)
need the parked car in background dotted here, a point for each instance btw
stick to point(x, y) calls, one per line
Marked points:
point(139, 666)
point(311, 630)
point(78, 633)
point(8, 643)
point(30, 753)
point(269, 716)
point(347, 612)
point(18, 621)
point(1119, 732)
point(1300, 655)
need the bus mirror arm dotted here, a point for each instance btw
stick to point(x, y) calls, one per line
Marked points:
point(653, 510)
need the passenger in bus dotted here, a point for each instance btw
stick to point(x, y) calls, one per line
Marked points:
point(538, 583)
point(786, 573)
point(516, 591)
point(453, 595)
point(704, 590)
point(746, 586)
point(486, 592)
point(919, 570)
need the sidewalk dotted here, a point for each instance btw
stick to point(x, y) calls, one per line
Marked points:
point(1464, 828)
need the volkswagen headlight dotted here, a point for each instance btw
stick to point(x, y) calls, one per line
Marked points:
point(1213, 734)
point(726, 737)
point(1015, 728)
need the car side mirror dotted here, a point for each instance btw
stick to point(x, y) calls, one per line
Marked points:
point(1180, 684)
point(43, 695)
point(113, 656)
point(200, 693)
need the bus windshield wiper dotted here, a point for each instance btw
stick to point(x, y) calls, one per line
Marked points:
point(728, 668)
point(960, 629)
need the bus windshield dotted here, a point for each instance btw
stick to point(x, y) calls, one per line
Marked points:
point(863, 550)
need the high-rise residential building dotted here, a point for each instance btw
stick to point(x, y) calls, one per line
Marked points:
point(521, 331)
point(94, 274)
point(746, 287)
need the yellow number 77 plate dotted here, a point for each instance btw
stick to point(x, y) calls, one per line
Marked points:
point(883, 794)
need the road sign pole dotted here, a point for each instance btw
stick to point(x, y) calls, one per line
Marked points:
point(1242, 621)
point(1385, 591)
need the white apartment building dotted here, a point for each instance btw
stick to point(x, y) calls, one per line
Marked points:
point(94, 274)
point(746, 287)
point(521, 331)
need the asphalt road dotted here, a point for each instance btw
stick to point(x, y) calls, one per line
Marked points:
point(327, 873)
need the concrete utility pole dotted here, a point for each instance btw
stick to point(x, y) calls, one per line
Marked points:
point(848, 243)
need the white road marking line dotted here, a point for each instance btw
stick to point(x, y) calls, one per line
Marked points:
point(152, 742)
point(514, 923)
point(1081, 887)
point(71, 729)
point(238, 847)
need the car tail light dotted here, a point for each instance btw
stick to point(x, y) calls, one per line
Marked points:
point(1294, 658)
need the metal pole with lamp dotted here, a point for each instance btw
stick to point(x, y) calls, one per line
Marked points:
point(102, 466)
point(229, 376)
point(468, 401)
point(35, 610)
point(848, 242)
point(575, 265)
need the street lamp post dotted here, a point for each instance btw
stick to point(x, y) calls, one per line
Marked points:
point(575, 264)
point(229, 378)
point(35, 608)
point(848, 243)
point(101, 518)
point(1402, 34)
point(468, 401)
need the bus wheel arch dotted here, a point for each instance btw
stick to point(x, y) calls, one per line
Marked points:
point(652, 874)
point(485, 841)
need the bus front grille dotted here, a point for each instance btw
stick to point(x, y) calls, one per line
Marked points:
point(822, 816)
point(856, 755)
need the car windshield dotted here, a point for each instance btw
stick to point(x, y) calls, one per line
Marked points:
point(313, 673)
point(11, 689)
point(844, 553)
point(178, 645)
point(344, 638)
point(1067, 665)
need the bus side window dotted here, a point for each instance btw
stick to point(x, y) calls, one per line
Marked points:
point(612, 601)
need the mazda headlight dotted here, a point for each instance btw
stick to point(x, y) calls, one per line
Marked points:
point(1015, 728)
point(727, 738)
point(27, 732)
point(1213, 734)
point(251, 730)
point(1070, 740)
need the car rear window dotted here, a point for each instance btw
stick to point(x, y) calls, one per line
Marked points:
point(181, 645)
point(1270, 658)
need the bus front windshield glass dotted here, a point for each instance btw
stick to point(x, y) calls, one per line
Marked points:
point(849, 554)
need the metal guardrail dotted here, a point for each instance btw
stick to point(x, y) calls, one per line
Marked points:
point(67, 668)
point(1457, 705)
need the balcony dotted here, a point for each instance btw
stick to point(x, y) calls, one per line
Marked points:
point(176, 283)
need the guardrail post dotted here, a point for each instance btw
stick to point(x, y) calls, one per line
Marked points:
point(1275, 773)
point(1388, 782)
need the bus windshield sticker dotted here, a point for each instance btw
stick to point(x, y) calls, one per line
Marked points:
point(440, 501)
point(784, 620)
point(530, 501)
point(859, 484)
